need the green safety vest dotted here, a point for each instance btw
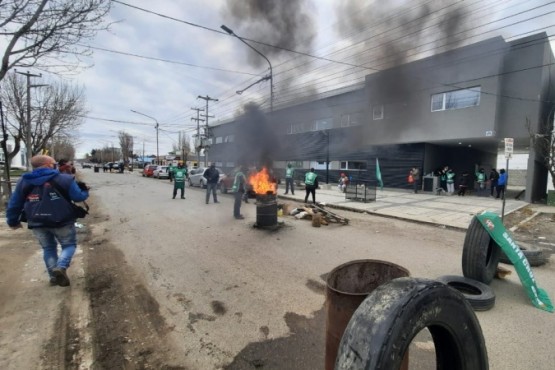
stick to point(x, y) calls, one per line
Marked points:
point(309, 178)
point(237, 182)
point(179, 174)
point(450, 177)
point(480, 176)
point(289, 172)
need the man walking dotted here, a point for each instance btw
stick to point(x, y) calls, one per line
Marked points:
point(289, 175)
point(54, 223)
point(212, 176)
point(179, 175)
point(238, 189)
point(311, 183)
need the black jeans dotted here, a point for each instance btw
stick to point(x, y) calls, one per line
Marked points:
point(289, 183)
point(310, 190)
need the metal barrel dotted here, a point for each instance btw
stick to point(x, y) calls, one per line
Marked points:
point(266, 211)
point(347, 286)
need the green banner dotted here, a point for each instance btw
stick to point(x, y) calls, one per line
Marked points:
point(494, 225)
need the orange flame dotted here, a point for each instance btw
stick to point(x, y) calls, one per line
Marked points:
point(261, 183)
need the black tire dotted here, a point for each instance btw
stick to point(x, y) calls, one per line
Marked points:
point(480, 296)
point(534, 255)
point(384, 325)
point(480, 253)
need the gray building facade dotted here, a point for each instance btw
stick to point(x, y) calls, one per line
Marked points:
point(451, 109)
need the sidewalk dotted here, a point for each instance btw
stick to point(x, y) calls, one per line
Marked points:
point(449, 211)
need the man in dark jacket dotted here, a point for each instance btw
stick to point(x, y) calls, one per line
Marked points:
point(44, 176)
point(212, 176)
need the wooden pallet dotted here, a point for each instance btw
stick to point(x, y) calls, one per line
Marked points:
point(328, 215)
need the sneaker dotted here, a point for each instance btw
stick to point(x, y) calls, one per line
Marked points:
point(182, 197)
point(53, 281)
point(61, 276)
point(216, 201)
point(240, 217)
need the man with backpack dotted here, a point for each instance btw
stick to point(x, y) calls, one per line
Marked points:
point(44, 197)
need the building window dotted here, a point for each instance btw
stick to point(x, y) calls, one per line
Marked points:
point(229, 138)
point(219, 140)
point(353, 165)
point(230, 164)
point(456, 99)
point(323, 124)
point(377, 112)
point(351, 119)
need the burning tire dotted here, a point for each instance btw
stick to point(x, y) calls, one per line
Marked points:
point(384, 325)
point(480, 253)
point(480, 296)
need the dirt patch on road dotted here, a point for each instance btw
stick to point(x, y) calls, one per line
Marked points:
point(532, 226)
point(128, 329)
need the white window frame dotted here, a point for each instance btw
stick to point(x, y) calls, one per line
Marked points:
point(219, 140)
point(451, 95)
point(351, 165)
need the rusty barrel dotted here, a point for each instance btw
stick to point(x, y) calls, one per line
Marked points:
point(347, 286)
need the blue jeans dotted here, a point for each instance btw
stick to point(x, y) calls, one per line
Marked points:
point(211, 188)
point(49, 237)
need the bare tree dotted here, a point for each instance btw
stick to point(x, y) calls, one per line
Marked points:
point(126, 145)
point(48, 34)
point(183, 146)
point(56, 113)
point(62, 148)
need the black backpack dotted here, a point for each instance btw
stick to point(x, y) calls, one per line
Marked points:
point(49, 205)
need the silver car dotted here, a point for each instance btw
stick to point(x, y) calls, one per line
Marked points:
point(161, 172)
point(196, 177)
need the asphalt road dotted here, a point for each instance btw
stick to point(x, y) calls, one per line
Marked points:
point(240, 297)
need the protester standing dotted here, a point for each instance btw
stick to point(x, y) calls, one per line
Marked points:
point(493, 178)
point(179, 175)
point(501, 184)
point(463, 183)
point(30, 190)
point(311, 183)
point(481, 180)
point(212, 176)
point(414, 176)
point(238, 189)
point(289, 179)
point(450, 175)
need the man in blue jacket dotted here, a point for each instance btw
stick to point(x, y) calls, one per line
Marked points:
point(45, 176)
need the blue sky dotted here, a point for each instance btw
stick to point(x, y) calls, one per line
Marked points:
point(118, 83)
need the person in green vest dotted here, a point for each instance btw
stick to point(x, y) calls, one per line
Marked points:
point(238, 189)
point(481, 180)
point(450, 181)
point(311, 183)
point(289, 175)
point(170, 171)
point(179, 174)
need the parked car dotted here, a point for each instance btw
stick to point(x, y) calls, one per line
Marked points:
point(161, 172)
point(86, 165)
point(226, 184)
point(196, 177)
point(148, 170)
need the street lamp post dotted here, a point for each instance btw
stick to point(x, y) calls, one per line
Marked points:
point(157, 125)
point(270, 77)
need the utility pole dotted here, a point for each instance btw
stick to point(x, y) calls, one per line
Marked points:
point(207, 99)
point(198, 147)
point(28, 142)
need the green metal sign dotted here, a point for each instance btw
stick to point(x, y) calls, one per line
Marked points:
point(493, 224)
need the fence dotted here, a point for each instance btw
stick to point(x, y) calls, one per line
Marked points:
point(362, 191)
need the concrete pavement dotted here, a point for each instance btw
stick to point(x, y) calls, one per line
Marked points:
point(451, 211)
